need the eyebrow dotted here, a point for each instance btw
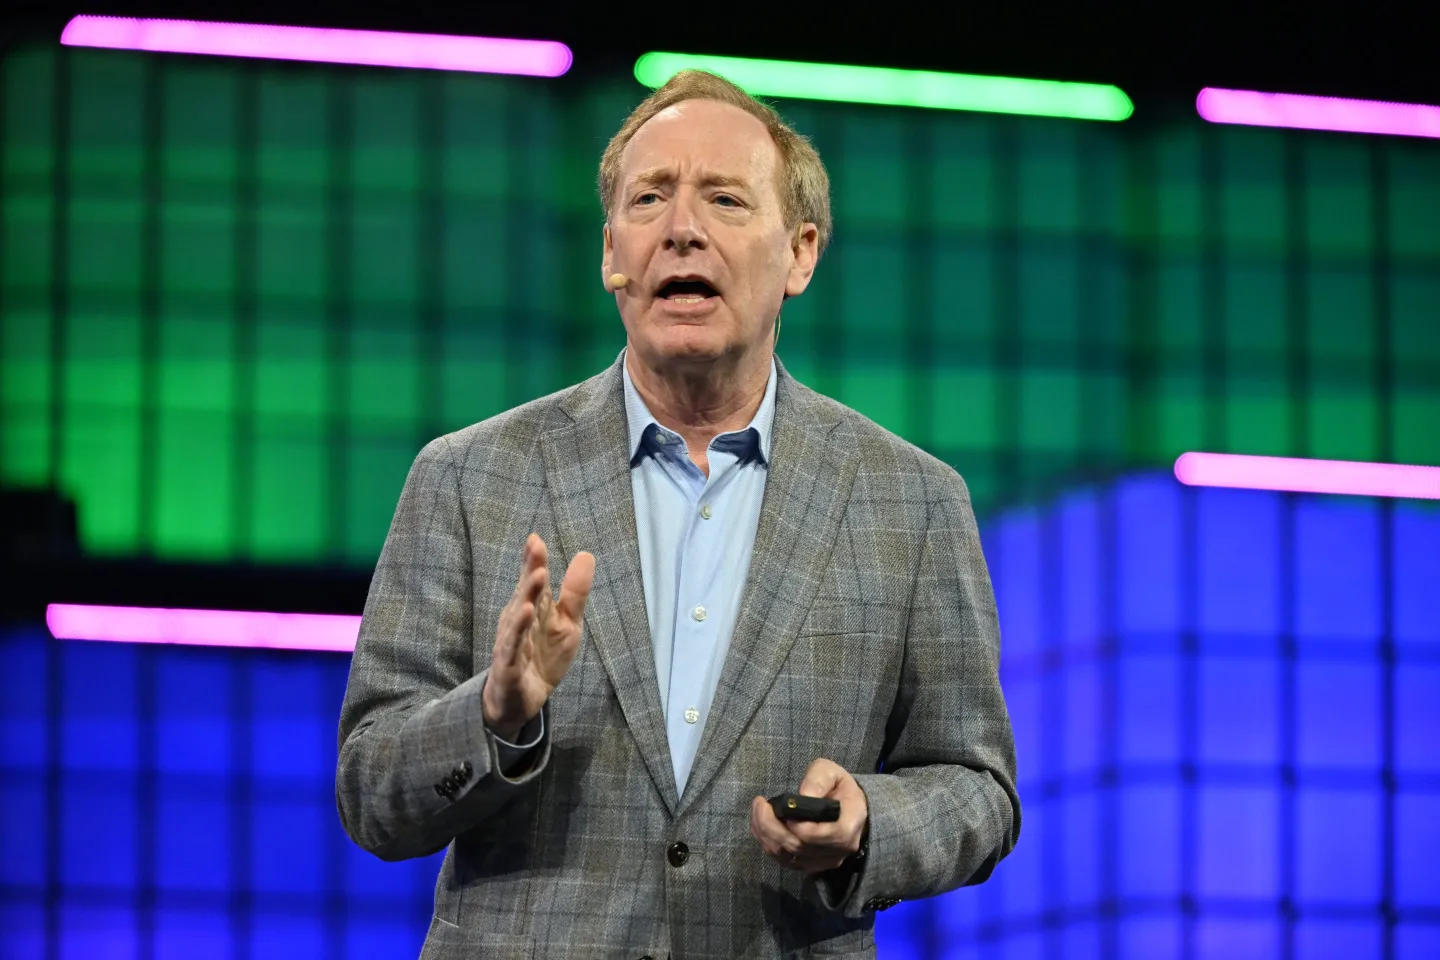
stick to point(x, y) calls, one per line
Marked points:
point(662, 175)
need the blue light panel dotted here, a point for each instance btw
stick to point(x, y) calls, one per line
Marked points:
point(1415, 572)
point(1200, 688)
point(1238, 581)
point(1338, 590)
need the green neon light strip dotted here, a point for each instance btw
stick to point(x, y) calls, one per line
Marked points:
point(898, 88)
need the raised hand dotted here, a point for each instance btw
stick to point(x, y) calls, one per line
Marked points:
point(536, 640)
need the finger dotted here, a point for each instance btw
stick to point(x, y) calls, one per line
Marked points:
point(524, 569)
point(534, 586)
point(821, 778)
point(505, 628)
point(575, 588)
point(764, 827)
point(754, 826)
point(540, 599)
point(532, 556)
point(527, 567)
point(771, 832)
point(781, 845)
point(539, 553)
point(518, 614)
point(511, 642)
point(544, 607)
point(517, 617)
point(816, 834)
point(770, 848)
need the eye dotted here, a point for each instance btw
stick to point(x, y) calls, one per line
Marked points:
point(647, 199)
point(725, 200)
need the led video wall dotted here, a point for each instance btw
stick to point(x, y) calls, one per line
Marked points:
point(236, 297)
point(180, 803)
point(1225, 705)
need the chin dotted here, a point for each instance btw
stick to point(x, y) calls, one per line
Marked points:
point(695, 343)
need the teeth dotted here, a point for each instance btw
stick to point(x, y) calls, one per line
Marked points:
point(687, 299)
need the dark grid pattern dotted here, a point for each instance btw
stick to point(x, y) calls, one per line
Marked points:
point(1224, 705)
point(236, 297)
point(180, 803)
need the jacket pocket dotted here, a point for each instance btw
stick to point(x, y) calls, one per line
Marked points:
point(840, 618)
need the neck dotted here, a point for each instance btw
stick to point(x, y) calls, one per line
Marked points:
point(701, 401)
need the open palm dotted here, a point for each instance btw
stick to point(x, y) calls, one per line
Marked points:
point(536, 639)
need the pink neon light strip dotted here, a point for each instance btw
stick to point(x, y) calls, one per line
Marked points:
point(1308, 476)
point(205, 628)
point(427, 51)
point(1318, 113)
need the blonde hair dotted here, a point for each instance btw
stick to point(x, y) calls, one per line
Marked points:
point(804, 185)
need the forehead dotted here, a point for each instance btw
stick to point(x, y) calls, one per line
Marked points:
point(708, 134)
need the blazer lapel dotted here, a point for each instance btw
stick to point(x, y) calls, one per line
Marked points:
point(589, 478)
point(805, 498)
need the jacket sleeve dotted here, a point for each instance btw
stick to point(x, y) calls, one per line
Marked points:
point(417, 765)
point(943, 811)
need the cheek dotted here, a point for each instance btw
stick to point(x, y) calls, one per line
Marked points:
point(631, 247)
point(767, 281)
point(767, 266)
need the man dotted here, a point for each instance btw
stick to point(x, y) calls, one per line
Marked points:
point(764, 592)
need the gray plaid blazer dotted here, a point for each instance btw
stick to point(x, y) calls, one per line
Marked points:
point(867, 634)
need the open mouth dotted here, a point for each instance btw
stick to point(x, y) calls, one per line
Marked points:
point(687, 291)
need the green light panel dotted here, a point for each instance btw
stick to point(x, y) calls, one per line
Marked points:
point(891, 87)
point(237, 298)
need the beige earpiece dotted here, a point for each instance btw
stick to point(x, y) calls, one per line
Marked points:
point(618, 281)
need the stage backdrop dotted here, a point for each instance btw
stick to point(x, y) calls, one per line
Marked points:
point(1225, 707)
point(237, 297)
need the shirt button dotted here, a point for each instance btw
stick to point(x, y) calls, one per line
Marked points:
point(692, 715)
point(661, 438)
point(698, 613)
point(706, 513)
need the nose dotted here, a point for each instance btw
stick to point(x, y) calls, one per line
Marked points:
point(685, 228)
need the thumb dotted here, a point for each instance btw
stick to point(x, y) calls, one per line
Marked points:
point(821, 777)
point(575, 588)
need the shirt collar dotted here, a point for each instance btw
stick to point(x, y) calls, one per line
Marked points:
point(639, 420)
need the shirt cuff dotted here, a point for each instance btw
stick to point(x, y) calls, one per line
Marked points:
point(516, 758)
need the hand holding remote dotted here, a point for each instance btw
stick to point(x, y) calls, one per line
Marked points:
point(806, 841)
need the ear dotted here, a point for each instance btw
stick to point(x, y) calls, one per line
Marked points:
point(607, 254)
point(806, 249)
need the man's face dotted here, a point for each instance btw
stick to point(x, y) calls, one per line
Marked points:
point(697, 227)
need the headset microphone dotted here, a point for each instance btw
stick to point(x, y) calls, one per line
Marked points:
point(618, 281)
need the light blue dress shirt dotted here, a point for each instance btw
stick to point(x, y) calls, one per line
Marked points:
point(696, 536)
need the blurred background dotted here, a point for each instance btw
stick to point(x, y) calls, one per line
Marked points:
point(238, 295)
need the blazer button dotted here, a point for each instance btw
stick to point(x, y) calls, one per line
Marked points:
point(677, 854)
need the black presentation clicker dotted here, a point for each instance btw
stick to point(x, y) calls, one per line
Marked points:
point(792, 806)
